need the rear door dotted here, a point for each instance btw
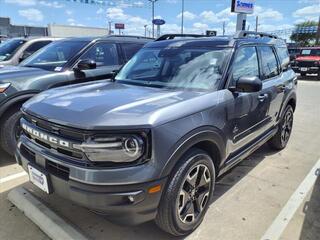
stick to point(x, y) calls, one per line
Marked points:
point(273, 81)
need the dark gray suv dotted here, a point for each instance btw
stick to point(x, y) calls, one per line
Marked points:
point(151, 143)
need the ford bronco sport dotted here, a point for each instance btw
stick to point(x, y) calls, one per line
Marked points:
point(151, 143)
point(64, 62)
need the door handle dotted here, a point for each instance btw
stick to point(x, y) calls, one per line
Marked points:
point(282, 88)
point(262, 97)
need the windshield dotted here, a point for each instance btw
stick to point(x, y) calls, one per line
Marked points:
point(187, 68)
point(311, 52)
point(9, 47)
point(54, 56)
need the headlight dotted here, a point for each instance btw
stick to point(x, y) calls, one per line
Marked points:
point(121, 148)
point(4, 86)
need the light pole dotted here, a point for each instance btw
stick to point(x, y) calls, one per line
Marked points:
point(182, 15)
point(145, 30)
point(152, 2)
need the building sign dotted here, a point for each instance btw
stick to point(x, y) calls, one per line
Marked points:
point(158, 22)
point(242, 6)
point(119, 26)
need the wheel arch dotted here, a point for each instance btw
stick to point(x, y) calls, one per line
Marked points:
point(15, 102)
point(207, 139)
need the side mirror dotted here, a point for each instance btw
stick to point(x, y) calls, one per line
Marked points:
point(86, 64)
point(248, 84)
point(24, 56)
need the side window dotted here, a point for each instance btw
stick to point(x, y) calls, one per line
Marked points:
point(103, 53)
point(245, 63)
point(283, 57)
point(36, 46)
point(130, 49)
point(269, 62)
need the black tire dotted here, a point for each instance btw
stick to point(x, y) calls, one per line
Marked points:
point(318, 76)
point(303, 74)
point(175, 210)
point(280, 140)
point(10, 130)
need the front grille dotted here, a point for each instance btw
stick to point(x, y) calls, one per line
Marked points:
point(53, 168)
point(306, 64)
point(61, 132)
point(58, 170)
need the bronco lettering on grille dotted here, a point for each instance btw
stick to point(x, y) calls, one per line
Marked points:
point(45, 137)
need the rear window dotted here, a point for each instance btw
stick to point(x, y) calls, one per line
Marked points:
point(283, 57)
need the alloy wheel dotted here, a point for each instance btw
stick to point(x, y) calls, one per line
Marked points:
point(286, 127)
point(194, 194)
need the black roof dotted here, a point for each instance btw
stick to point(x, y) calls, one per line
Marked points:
point(240, 38)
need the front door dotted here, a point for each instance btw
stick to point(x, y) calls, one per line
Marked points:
point(106, 56)
point(248, 117)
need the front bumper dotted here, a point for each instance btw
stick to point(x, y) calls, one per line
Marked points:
point(114, 201)
point(307, 70)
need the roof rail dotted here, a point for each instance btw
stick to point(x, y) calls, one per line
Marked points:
point(129, 36)
point(243, 34)
point(173, 36)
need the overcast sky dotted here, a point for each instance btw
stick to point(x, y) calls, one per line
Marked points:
point(200, 15)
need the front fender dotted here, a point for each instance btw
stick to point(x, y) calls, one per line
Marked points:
point(14, 100)
point(194, 137)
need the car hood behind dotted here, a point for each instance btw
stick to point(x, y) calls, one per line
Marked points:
point(106, 104)
point(18, 73)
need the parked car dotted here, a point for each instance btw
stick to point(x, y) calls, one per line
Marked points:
point(151, 143)
point(3, 38)
point(63, 62)
point(308, 61)
point(15, 50)
point(293, 52)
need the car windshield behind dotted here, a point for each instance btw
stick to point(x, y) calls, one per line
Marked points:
point(9, 47)
point(310, 52)
point(187, 68)
point(54, 56)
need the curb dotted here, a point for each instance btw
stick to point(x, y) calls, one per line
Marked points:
point(47, 220)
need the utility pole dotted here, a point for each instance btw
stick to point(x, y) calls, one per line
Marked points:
point(257, 23)
point(318, 33)
point(182, 16)
point(145, 30)
point(152, 2)
point(223, 28)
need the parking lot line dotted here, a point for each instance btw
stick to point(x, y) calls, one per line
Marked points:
point(11, 177)
point(280, 223)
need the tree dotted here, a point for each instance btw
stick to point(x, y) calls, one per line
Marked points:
point(304, 39)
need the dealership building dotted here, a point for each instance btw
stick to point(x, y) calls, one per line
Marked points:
point(11, 30)
point(55, 30)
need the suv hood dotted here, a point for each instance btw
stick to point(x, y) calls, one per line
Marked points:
point(104, 105)
point(14, 73)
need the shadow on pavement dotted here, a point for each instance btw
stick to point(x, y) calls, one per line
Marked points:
point(311, 225)
point(233, 176)
point(5, 159)
point(308, 78)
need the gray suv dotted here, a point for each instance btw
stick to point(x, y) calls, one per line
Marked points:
point(151, 143)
